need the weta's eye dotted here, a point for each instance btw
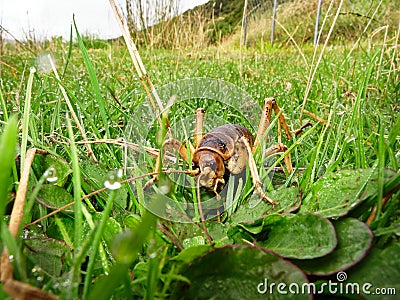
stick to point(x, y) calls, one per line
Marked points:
point(212, 164)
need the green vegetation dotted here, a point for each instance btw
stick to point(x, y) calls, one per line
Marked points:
point(339, 211)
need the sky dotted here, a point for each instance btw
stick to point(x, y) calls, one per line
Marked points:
point(47, 18)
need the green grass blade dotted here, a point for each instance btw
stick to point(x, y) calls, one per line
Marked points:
point(96, 243)
point(358, 116)
point(78, 217)
point(94, 81)
point(381, 168)
point(7, 152)
point(27, 111)
point(106, 285)
point(76, 179)
point(3, 106)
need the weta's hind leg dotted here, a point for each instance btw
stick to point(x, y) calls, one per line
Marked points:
point(265, 120)
point(281, 148)
point(254, 174)
point(198, 127)
point(269, 105)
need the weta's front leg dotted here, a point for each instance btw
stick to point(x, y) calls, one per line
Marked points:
point(170, 144)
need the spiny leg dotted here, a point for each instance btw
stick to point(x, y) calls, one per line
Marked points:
point(281, 119)
point(198, 127)
point(264, 121)
point(254, 173)
point(269, 105)
point(280, 148)
point(171, 144)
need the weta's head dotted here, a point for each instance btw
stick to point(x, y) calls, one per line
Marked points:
point(211, 167)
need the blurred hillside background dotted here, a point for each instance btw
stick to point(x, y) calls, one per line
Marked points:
point(249, 22)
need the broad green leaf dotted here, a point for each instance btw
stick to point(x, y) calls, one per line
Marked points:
point(95, 174)
point(131, 221)
point(239, 272)
point(354, 241)
point(43, 162)
point(48, 254)
point(302, 236)
point(335, 194)
point(130, 245)
point(182, 231)
point(380, 269)
point(189, 254)
point(194, 241)
point(288, 199)
point(111, 229)
point(53, 196)
point(219, 233)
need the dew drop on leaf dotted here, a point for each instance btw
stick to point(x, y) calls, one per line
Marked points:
point(51, 174)
point(112, 179)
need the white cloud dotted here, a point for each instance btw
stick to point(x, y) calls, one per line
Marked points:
point(46, 18)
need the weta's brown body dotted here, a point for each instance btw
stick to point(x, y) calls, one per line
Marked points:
point(220, 149)
point(230, 148)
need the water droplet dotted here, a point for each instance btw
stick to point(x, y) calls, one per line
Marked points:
point(340, 109)
point(66, 283)
point(152, 249)
point(25, 234)
point(112, 179)
point(44, 62)
point(164, 189)
point(50, 174)
point(11, 258)
point(254, 202)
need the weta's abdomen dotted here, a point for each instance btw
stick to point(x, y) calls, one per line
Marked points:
point(222, 139)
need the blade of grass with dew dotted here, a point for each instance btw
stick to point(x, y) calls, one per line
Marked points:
point(297, 142)
point(68, 58)
point(105, 287)
point(314, 71)
point(78, 219)
point(25, 122)
point(381, 168)
point(358, 117)
point(318, 158)
point(3, 106)
point(8, 144)
point(94, 81)
point(96, 242)
point(339, 140)
point(76, 179)
point(71, 109)
point(13, 253)
point(31, 200)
